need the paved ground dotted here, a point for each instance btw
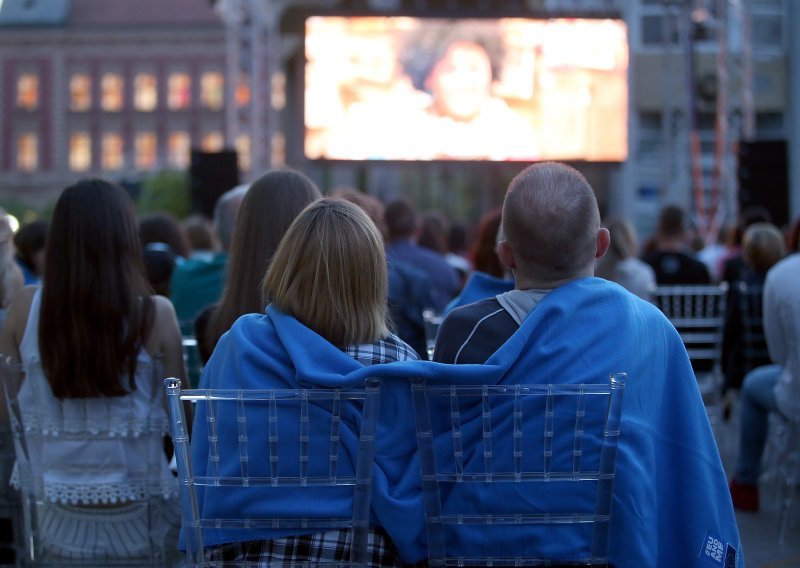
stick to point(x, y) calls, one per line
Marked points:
point(759, 531)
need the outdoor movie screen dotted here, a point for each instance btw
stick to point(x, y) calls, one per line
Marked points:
point(403, 88)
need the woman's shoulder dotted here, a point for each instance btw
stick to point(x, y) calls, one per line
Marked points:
point(386, 350)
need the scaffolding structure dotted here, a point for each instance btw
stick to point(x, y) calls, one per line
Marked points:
point(698, 162)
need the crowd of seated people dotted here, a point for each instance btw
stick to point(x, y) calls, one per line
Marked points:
point(286, 286)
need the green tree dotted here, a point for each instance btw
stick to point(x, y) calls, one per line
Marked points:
point(168, 191)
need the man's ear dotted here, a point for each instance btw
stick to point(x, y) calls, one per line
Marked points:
point(506, 255)
point(603, 242)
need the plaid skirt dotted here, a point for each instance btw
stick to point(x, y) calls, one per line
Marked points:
point(329, 548)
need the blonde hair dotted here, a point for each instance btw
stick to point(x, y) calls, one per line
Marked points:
point(11, 279)
point(329, 272)
point(763, 246)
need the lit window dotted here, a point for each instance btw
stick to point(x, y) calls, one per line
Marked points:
point(145, 92)
point(179, 91)
point(212, 90)
point(112, 95)
point(179, 149)
point(113, 150)
point(278, 149)
point(243, 151)
point(27, 152)
point(80, 92)
point(28, 91)
point(212, 142)
point(80, 152)
point(146, 147)
point(243, 90)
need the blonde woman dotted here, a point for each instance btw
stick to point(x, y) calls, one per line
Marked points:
point(621, 263)
point(327, 319)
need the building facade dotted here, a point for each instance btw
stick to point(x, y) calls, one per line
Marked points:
point(106, 88)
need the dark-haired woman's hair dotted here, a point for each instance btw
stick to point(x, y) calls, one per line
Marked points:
point(483, 253)
point(29, 240)
point(95, 309)
point(271, 204)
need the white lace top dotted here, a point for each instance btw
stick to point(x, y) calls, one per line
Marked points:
point(93, 450)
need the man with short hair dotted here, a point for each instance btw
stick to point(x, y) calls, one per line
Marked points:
point(671, 260)
point(671, 504)
point(401, 225)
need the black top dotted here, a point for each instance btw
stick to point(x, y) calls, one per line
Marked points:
point(677, 268)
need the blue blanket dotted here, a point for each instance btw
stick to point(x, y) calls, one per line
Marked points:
point(671, 502)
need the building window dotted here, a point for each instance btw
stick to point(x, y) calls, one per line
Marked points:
point(80, 152)
point(145, 92)
point(146, 147)
point(243, 151)
point(80, 92)
point(179, 148)
point(112, 92)
point(28, 91)
point(27, 152)
point(212, 142)
point(243, 90)
point(113, 150)
point(212, 90)
point(179, 91)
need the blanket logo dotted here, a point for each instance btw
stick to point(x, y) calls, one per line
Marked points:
point(718, 552)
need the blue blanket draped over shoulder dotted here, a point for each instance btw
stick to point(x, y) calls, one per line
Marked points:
point(670, 496)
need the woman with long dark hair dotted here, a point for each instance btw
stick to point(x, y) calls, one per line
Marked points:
point(270, 206)
point(94, 345)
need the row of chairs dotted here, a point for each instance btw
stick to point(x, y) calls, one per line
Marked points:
point(523, 436)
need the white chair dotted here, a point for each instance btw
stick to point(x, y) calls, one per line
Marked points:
point(518, 475)
point(698, 313)
point(295, 439)
point(67, 519)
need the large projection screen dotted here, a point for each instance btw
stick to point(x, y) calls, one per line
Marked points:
point(505, 89)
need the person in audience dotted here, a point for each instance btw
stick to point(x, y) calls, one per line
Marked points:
point(762, 247)
point(457, 248)
point(489, 277)
point(199, 282)
point(95, 346)
point(409, 292)
point(772, 388)
point(401, 224)
point(164, 229)
point(621, 262)
point(670, 254)
point(733, 262)
point(11, 279)
point(30, 242)
point(327, 286)
point(793, 235)
point(202, 239)
point(267, 210)
point(433, 233)
point(561, 324)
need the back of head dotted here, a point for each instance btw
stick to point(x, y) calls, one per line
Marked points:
point(484, 247)
point(269, 207)
point(30, 239)
point(433, 232)
point(371, 205)
point(225, 212)
point(401, 221)
point(329, 272)
point(763, 246)
point(164, 228)
point(671, 222)
point(95, 311)
point(199, 232)
point(550, 220)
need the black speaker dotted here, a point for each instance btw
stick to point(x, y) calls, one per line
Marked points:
point(763, 174)
point(211, 175)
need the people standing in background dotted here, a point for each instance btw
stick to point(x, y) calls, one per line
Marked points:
point(11, 279)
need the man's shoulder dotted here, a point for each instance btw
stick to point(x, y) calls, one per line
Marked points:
point(474, 312)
